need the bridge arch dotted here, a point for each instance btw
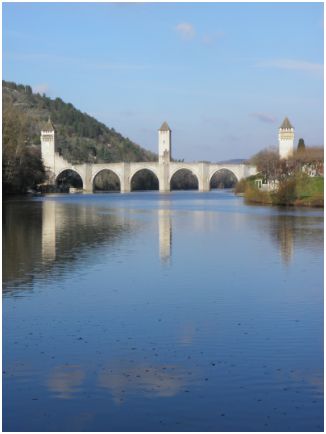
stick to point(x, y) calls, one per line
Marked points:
point(69, 178)
point(223, 178)
point(144, 179)
point(106, 180)
point(184, 178)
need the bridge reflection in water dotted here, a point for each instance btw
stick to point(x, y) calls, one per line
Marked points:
point(52, 222)
point(165, 234)
point(57, 219)
point(48, 231)
point(38, 235)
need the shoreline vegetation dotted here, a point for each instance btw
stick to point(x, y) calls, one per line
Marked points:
point(304, 192)
point(295, 181)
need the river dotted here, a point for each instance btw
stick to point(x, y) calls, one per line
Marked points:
point(184, 311)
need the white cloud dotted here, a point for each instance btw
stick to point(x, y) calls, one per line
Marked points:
point(186, 30)
point(290, 64)
point(264, 117)
point(41, 88)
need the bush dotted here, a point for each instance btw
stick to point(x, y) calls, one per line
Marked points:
point(240, 186)
point(286, 192)
point(253, 194)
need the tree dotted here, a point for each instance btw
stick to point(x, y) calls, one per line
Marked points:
point(22, 167)
point(301, 145)
point(309, 160)
point(268, 164)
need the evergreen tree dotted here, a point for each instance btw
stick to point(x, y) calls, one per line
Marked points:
point(301, 145)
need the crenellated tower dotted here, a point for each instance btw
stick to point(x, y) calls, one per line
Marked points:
point(286, 139)
point(164, 144)
point(48, 146)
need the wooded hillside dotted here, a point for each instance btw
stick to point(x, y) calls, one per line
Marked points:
point(79, 137)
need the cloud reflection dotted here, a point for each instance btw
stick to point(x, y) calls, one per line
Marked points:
point(153, 381)
point(64, 381)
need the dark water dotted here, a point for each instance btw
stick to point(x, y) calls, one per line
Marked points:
point(161, 312)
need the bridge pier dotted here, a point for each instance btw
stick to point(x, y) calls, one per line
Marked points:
point(87, 178)
point(164, 172)
point(203, 179)
point(125, 181)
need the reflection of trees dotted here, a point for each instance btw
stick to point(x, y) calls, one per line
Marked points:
point(39, 235)
point(21, 239)
point(284, 236)
point(290, 230)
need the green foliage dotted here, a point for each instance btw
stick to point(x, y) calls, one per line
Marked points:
point(310, 191)
point(80, 137)
point(301, 145)
point(299, 178)
point(298, 190)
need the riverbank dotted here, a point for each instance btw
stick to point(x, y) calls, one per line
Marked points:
point(295, 191)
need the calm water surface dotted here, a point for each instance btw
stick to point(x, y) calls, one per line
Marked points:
point(161, 312)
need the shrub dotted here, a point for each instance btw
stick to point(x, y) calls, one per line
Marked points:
point(240, 186)
point(286, 192)
point(253, 194)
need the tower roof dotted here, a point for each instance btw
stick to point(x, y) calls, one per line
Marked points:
point(165, 127)
point(48, 126)
point(286, 125)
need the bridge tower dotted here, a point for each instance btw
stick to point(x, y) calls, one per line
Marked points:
point(286, 139)
point(164, 144)
point(164, 156)
point(48, 147)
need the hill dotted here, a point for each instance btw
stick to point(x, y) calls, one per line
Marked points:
point(79, 137)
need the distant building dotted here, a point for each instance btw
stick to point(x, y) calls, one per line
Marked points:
point(286, 139)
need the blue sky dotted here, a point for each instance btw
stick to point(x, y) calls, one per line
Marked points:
point(223, 75)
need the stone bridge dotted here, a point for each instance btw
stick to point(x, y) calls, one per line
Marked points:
point(164, 169)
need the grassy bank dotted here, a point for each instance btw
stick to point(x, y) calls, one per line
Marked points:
point(295, 191)
point(310, 191)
